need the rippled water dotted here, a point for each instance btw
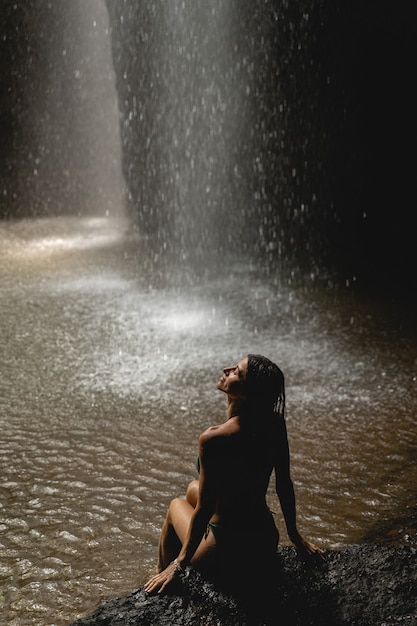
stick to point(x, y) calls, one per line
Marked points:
point(108, 375)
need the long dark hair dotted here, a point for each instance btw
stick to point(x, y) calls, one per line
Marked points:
point(265, 386)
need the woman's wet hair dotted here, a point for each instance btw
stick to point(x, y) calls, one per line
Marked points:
point(265, 383)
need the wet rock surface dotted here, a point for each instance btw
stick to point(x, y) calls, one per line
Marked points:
point(363, 585)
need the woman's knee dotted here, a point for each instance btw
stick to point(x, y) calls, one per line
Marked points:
point(174, 506)
point(179, 517)
point(192, 493)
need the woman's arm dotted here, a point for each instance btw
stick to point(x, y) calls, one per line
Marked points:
point(207, 496)
point(285, 491)
point(201, 516)
point(283, 484)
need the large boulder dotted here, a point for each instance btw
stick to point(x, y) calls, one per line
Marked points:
point(360, 585)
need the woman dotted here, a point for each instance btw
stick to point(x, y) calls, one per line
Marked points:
point(224, 524)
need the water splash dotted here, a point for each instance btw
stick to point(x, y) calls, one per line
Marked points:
point(62, 149)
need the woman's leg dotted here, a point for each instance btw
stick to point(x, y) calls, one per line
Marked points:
point(176, 525)
point(192, 493)
point(174, 532)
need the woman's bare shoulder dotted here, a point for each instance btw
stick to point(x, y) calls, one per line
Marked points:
point(217, 434)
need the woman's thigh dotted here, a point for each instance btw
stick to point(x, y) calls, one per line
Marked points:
point(180, 513)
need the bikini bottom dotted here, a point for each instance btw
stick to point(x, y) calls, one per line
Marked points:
point(265, 534)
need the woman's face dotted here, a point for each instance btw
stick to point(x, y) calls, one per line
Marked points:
point(233, 379)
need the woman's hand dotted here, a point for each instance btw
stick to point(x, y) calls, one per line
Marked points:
point(161, 580)
point(307, 548)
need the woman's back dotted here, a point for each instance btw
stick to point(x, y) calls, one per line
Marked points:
point(238, 465)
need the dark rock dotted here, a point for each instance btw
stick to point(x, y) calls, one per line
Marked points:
point(362, 585)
